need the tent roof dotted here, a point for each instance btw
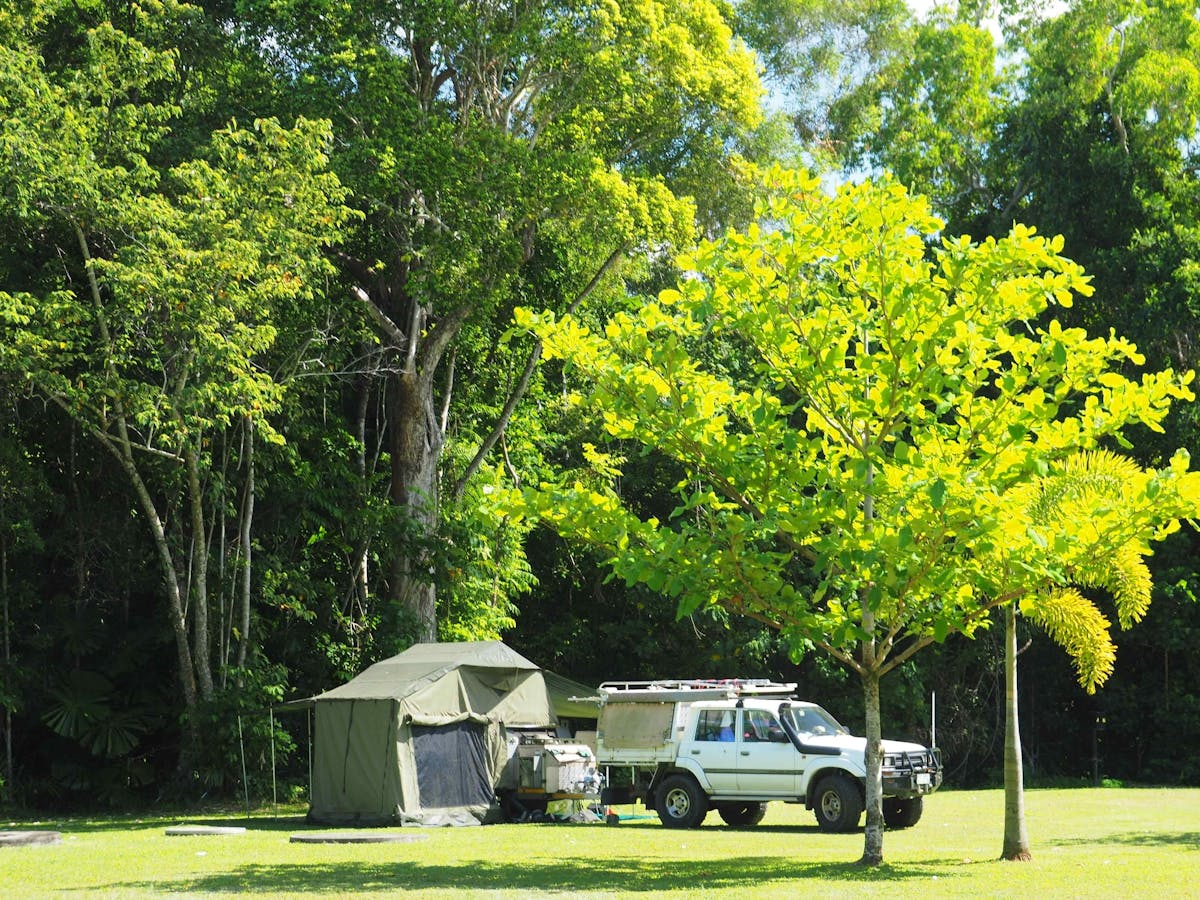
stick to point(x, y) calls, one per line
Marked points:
point(563, 689)
point(422, 664)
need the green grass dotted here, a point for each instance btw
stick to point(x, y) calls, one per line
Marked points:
point(1086, 843)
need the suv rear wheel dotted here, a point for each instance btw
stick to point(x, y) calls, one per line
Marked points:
point(680, 802)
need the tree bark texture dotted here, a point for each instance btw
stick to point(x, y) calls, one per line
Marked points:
point(201, 644)
point(417, 440)
point(247, 557)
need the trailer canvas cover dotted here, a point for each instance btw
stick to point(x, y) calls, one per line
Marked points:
point(420, 738)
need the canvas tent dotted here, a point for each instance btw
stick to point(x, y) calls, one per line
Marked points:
point(422, 737)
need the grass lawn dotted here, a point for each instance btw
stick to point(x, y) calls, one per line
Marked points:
point(1118, 843)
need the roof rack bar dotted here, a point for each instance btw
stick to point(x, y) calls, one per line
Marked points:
point(732, 686)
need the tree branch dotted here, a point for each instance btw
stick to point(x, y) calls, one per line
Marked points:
point(535, 354)
point(386, 326)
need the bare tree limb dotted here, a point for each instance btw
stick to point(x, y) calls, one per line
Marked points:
point(389, 328)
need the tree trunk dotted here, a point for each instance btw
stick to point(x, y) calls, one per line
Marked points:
point(873, 837)
point(362, 571)
point(1016, 841)
point(416, 447)
point(200, 647)
point(189, 750)
point(871, 661)
point(244, 539)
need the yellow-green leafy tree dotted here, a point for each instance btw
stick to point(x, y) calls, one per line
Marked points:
point(856, 406)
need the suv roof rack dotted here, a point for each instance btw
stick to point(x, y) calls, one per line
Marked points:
point(674, 689)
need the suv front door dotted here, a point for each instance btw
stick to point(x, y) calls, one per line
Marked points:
point(767, 763)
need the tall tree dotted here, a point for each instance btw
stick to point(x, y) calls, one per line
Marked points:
point(148, 325)
point(502, 153)
point(846, 484)
point(1101, 512)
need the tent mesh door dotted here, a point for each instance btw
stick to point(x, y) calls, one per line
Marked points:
point(452, 765)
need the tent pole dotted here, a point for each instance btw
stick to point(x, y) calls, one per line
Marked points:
point(274, 795)
point(242, 748)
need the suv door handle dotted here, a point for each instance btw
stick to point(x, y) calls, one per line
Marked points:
point(745, 753)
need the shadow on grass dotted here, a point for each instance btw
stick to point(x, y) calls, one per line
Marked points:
point(1136, 839)
point(575, 875)
point(713, 824)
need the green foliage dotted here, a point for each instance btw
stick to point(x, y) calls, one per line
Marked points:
point(83, 708)
point(881, 380)
point(240, 729)
point(485, 569)
point(1093, 503)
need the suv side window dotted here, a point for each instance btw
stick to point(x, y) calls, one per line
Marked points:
point(761, 725)
point(714, 725)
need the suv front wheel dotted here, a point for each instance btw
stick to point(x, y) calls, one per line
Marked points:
point(838, 803)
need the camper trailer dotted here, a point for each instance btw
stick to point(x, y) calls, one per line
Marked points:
point(443, 734)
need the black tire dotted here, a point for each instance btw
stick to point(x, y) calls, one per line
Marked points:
point(838, 803)
point(529, 810)
point(680, 802)
point(902, 812)
point(737, 813)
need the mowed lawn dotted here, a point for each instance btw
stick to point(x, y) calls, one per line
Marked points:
point(1119, 843)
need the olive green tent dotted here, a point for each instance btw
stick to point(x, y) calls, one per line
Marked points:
point(422, 738)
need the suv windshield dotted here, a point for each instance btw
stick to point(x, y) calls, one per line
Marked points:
point(812, 720)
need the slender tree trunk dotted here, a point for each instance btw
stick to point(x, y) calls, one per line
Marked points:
point(871, 661)
point(201, 651)
point(247, 556)
point(178, 618)
point(362, 568)
point(121, 448)
point(416, 447)
point(873, 835)
point(1016, 841)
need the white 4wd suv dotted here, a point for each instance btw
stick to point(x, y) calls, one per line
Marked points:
point(686, 752)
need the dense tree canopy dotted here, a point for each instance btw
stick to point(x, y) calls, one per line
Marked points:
point(259, 374)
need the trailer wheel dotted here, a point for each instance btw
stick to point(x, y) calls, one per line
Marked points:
point(902, 812)
point(528, 810)
point(736, 813)
point(681, 803)
point(838, 804)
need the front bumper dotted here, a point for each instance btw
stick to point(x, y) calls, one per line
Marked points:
point(912, 774)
